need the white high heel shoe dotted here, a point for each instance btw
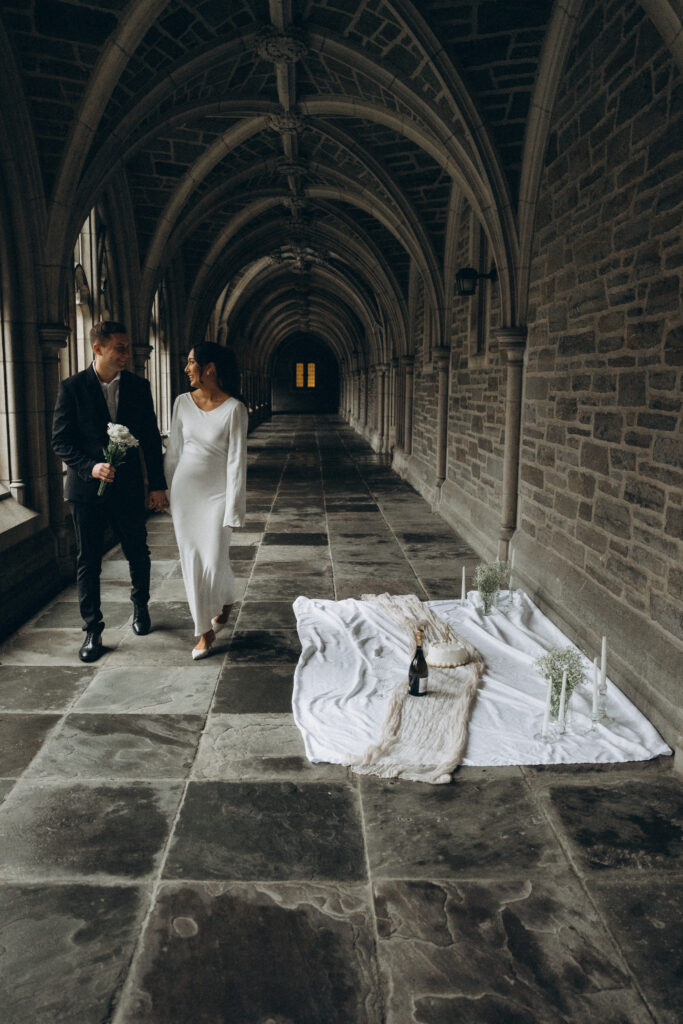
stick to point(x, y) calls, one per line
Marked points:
point(217, 626)
point(203, 652)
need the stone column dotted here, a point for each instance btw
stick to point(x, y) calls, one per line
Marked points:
point(512, 342)
point(52, 339)
point(408, 365)
point(141, 354)
point(442, 358)
point(381, 370)
point(391, 411)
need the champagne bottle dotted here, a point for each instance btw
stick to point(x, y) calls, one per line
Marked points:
point(418, 671)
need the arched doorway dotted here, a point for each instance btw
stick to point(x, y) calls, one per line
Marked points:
point(305, 376)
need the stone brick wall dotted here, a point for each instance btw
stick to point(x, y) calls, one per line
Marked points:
point(601, 481)
point(476, 402)
point(424, 395)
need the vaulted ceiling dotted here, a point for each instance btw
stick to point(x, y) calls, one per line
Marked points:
point(299, 159)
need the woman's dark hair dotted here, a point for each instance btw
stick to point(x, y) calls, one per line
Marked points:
point(226, 365)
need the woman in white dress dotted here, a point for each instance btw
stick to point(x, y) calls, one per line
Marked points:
point(205, 466)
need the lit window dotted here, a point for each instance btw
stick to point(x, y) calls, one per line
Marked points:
point(299, 375)
point(311, 375)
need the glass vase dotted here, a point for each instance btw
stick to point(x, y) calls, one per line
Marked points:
point(555, 697)
point(488, 600)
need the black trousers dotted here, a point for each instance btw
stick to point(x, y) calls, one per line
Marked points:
point(90, 523)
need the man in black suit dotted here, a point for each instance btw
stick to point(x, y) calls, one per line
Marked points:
point(107, 393)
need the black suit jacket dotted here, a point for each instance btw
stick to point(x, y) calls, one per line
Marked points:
point(79, 435)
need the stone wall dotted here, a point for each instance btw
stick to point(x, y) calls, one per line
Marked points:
point(600, 478)
point(472, 493)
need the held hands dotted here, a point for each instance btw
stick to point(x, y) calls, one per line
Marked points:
point(157, 501)
point(103, 471)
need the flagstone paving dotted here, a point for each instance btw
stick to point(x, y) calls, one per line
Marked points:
point(169, 856)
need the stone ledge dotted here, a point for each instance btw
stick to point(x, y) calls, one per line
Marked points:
point(16, 522)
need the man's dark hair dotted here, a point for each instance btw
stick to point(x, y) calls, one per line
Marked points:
point(104, 330)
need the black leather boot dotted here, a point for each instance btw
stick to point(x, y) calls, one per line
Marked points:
point(141, 620)
point(91, 648)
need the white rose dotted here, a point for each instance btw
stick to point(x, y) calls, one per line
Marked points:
point(121, 435)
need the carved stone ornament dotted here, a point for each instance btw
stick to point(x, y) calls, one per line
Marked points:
point(283, 123)
point(280, 46)
point(295, 167)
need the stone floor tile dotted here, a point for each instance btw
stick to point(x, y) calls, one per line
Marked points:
point(21, 737)
point(484, 828)
point(308, 539)
point(620, 825)
point(272, 588)
point(126, 746)
point(169, 616)
point(306, 568)
point(163, 552)
point(212, 946)
point(259, 747)
point(169, 647)
point(152, 690)
point(265, 646)
point(356, 586)
point(65, 615)
point(242, 552)
point(42, 687)
point(646, 915)
point(118, 570)
point(254, 689)
point(51, 647)
point(275, 614)
point(504, 952)
point(276, 831)
point(63, 831)
point(319, 556)
point(247, 538)
point(66, 950)
point(294, 524)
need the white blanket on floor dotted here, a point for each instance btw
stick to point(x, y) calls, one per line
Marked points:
point(353, 656)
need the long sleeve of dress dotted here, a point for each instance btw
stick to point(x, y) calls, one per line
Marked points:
point(236, 485)
point(174, 444)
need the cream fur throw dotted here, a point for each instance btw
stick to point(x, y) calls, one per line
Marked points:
point(424, 740)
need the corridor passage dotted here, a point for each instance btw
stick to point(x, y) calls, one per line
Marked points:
point(169, 856)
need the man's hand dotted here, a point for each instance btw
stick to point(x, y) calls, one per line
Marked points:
point(103, 471)
point(157, 501)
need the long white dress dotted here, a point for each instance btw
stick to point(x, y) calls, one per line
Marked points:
point(206, 467)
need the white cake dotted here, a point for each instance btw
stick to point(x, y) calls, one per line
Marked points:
point(447, 655)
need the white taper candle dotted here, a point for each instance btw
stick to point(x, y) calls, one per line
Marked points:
point(603, 665)
point(463, 589)
point(546, 713)
point(512, 565)
point(563, 697)
point(595, 686)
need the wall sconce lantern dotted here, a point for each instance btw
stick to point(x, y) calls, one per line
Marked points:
point(466, 279)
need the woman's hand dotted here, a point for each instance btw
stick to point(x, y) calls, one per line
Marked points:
point(157, 501)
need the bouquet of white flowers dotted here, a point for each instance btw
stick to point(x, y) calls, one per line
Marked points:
point(120, 440)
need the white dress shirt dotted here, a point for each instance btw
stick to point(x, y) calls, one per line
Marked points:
point(110, 390)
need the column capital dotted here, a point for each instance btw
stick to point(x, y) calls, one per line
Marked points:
point(141, 354)
point(381, 367)
point(394, 363)
point(52, 337)
point(408, 362)
point(442, 357)
point(512, 341)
